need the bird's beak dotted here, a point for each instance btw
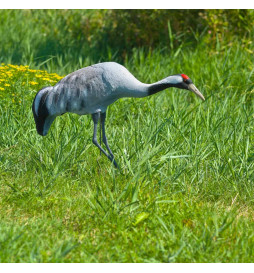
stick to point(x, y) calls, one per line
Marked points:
point(194, 89)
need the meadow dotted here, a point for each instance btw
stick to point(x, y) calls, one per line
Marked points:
point(184, 190)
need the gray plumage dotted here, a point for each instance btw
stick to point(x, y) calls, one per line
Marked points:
point(91, 89)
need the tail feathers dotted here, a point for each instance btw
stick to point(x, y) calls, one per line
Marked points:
point(40, 99)
point(39, 108)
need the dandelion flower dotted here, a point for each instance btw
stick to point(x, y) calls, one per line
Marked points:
point(33, 83)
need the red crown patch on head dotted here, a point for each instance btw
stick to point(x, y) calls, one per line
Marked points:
point(185, 76)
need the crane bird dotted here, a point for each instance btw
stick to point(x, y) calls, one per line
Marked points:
point(91, 90)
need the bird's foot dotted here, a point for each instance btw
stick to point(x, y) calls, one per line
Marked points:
point(114, 162)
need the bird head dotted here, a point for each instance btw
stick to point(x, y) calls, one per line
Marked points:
point(186, 83)
point(180, 81)
point(42, 117)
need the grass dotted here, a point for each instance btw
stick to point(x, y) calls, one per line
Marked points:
point(184, 192)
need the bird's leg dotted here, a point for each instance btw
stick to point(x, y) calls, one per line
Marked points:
point(96, 117)
point(100, 134)
point(104, 138)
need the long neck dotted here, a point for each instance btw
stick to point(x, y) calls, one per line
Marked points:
point(159, 86)
point(144, 90)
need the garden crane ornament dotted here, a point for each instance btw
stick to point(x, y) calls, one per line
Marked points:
point(91, 90)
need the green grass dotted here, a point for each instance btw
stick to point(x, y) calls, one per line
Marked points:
point(184, 191)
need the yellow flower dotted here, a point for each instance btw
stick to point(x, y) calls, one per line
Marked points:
point(33, 83)
point(24, 76)
point(11, 65)
point(21, 69)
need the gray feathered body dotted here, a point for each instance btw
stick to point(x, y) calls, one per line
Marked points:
point(92, 89)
